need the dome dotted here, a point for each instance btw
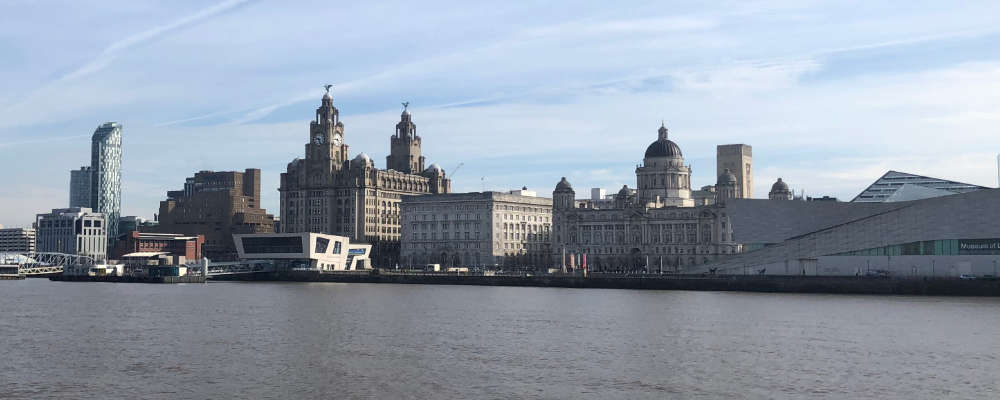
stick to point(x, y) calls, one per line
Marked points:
point(363, 158)
point(564, 186)
point(624, 191)
point(727, 178)
point(779, 186)
point(434, 169)
point(663, 148)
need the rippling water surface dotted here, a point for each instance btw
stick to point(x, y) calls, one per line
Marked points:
point(325, 340)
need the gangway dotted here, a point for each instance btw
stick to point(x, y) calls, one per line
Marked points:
point(44, 263)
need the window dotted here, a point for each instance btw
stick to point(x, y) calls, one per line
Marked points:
point(322, 244)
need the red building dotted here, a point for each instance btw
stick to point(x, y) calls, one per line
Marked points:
point(145, 242)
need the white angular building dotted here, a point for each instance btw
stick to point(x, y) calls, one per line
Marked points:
point(304, 251)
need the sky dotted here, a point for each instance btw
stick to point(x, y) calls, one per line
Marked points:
point(831, 95)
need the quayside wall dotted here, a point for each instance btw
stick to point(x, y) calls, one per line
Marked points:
point(767, 284)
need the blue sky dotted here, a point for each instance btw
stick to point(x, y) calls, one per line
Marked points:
point(829, 94)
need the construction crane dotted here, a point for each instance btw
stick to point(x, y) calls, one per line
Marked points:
point(455, 170)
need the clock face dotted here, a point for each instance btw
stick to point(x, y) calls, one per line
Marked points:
point(318, 139)
point(337, 140)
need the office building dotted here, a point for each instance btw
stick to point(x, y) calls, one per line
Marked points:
point(655, 229)
point(79, 187)
point(76, 230)
point(488, 229)
point(20, 240)
point(216, 205)
point(106, 174)
point(329, 192)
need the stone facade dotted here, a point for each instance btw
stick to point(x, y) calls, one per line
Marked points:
point(489, 229)
point(738, 159)
point(217, 205)
point(780, 191)
point(643, 231)
point(327, 192)
point(663, 179)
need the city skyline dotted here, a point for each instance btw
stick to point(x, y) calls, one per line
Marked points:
point(829, 114)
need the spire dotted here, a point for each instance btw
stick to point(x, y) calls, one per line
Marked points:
point(662, 132)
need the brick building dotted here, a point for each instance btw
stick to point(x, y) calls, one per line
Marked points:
point(190, 247)
point(216, 205)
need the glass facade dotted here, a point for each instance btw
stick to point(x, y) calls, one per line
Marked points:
point(79, 187)
point(263, 245)
point(943, 247)
point(105, 174)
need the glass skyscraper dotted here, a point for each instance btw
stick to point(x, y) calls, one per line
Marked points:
point(106, 174)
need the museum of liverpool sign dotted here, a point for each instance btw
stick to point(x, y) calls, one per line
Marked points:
point(979, 246)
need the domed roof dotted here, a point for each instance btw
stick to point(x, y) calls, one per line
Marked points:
point(564, 186)
point(434, 169)
point(727, 178)
point(779, 186)
point(363, 158)
point(663, 148)
point(624, 191)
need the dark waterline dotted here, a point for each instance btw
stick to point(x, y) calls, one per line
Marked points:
point(324, 340)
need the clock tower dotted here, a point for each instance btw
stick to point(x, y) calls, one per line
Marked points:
point(404, 147)
point(326, 151)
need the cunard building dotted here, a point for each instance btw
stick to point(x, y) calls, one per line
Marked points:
point(656, 228)
point(330, 192)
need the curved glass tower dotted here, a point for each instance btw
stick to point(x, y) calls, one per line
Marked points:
point(106, 174)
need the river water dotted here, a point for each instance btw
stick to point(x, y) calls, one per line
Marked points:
point(333, 340)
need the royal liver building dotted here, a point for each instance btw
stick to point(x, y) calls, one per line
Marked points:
point(329, 192)
point(656, 228)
